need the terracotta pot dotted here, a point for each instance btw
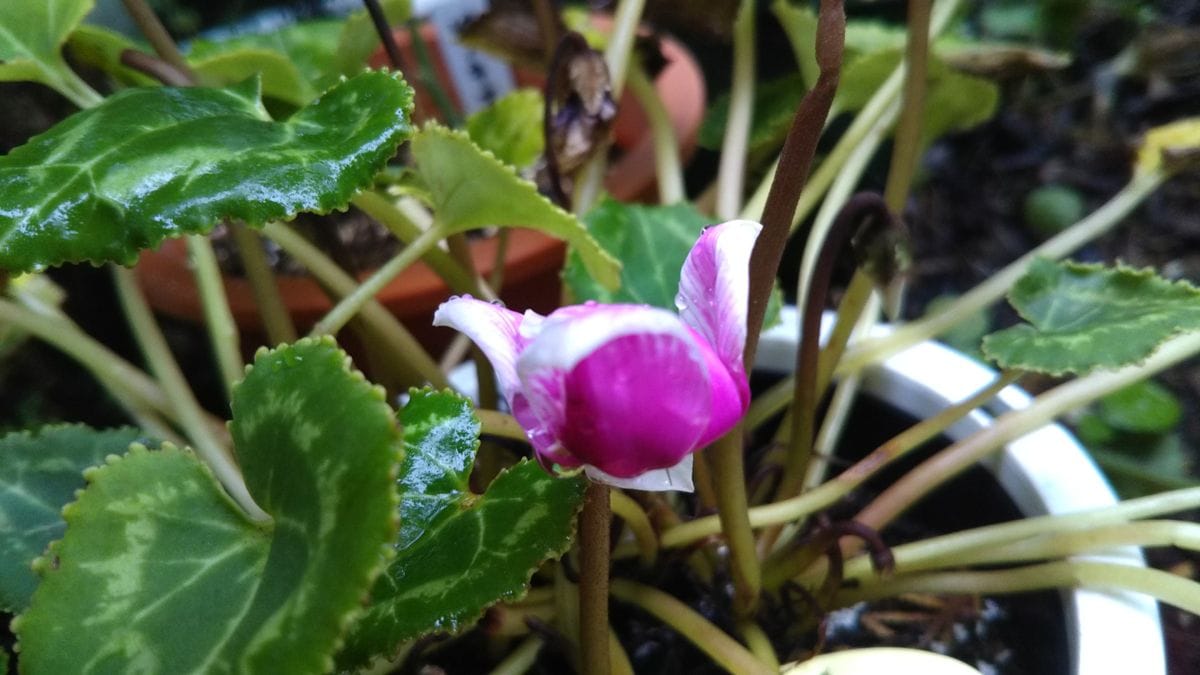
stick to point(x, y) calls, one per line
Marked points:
point(532, 260)
point(531, 265)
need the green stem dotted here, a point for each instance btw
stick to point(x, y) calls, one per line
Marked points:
point(732, 169)
point(631, 512)
point(760, 645)
point(520, 660)
point(222, 330)
point(852, 307)
point(410, 355)
point(669, 172)
point(810, 502)
point(66, 82)
point(594, 523)
point(912, 111)
point(714, 642)
point(275, 317)
point(390, 216)
point(959, 456)
point(1166, 587)
point(191, 416)
point(983, 295)
point(733, 511)
point(137, 393)
point(494, 423)
point(353, 302)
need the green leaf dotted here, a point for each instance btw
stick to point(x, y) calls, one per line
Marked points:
point(954, 101)
point(470, 188)
point(510, 128)
point(650, 241)
point(160, 572)
point(39, 473)
point(153, 163)
point(800, 26)
point(358, 39)
point(461, 553)
point(775, 104)
point(1087, 316)
point(1145, 466)
point(1143, 408)
point(31, 37)
point(100, 48)
point(291, 60)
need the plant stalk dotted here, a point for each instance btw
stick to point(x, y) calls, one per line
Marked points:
point(794, 163)
point(732, 170)
point(410, 355)
point(191, 416)
point(1166, 587)
point(956, 458)
point(711, 640)
point(830, 492)
point(733, 511)
point(639, 523)
point(222, 330)
point(158, 37)
point(275, 317)
point(668, 170)
point(594, 523)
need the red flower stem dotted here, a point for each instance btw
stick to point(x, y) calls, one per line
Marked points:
point(794, 163)
point(594, 523)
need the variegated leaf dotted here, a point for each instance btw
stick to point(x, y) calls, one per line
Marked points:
point(159, 571)
point(1083, 317)
point(458, 552)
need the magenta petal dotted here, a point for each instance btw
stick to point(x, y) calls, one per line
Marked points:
point(637, 403)
point(714, 289)
point(729, 393)
point(495, 329)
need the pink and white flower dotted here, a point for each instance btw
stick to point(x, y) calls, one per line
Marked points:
point(628, 392)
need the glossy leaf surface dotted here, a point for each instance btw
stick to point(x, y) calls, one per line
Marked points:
point(1083, 317)
point(458, 552)
point(39, 474)
point(470, 188)
point(153, 163)
point(160, 572)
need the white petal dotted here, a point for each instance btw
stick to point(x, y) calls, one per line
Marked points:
point(678, 478)
point(569, 335)
point(714, 288)
point(495, 329)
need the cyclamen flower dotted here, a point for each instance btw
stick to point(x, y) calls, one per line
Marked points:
point(628, 392)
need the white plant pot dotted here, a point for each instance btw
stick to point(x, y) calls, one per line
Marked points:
point(1045, 472)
